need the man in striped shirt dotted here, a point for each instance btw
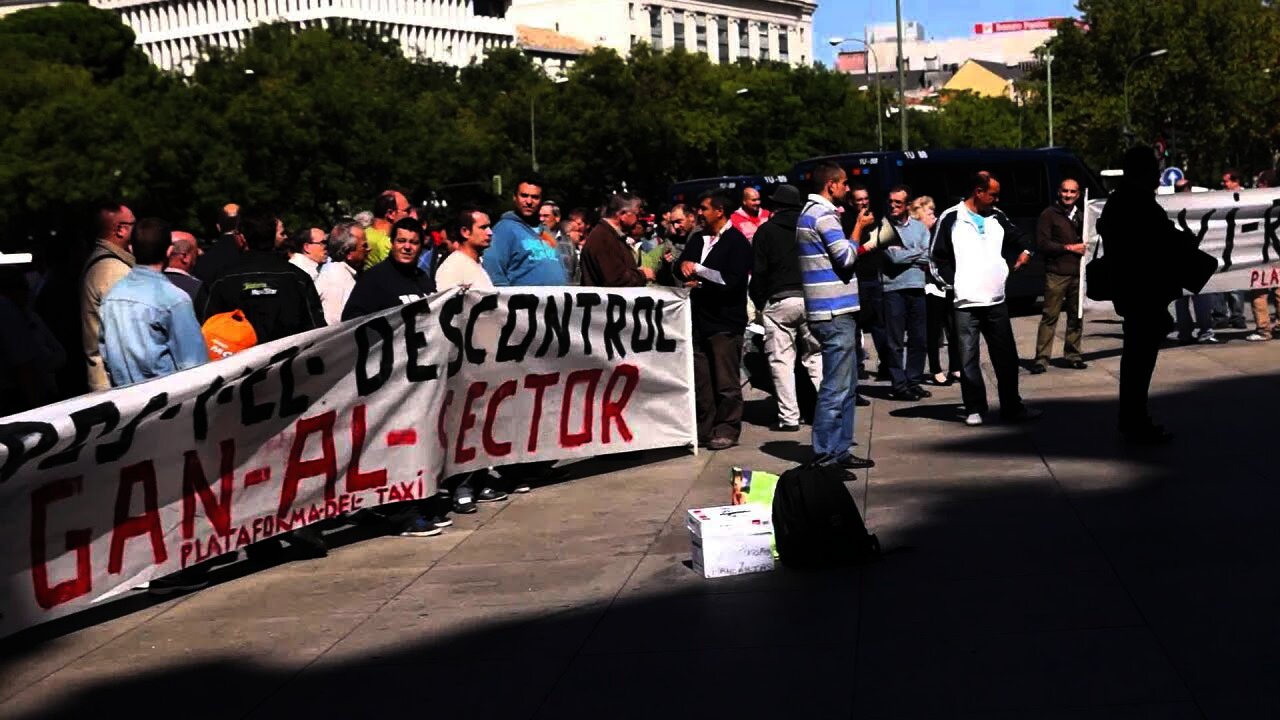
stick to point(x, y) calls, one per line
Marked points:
point(827, 258)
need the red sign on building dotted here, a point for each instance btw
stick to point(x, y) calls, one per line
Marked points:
point(1016, 25)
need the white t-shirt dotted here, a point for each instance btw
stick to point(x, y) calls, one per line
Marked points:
point(334, 287)
point(307, 265)
point(460, 269)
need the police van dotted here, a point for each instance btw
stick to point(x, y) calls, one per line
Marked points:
point(1028, 184)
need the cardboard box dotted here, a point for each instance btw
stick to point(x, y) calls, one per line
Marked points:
point(731, 540)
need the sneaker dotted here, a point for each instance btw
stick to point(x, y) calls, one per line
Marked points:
point(418, 526)
point(1078, 365)
point(853, 462)
point(920, 392)
point(786, 428)
point(1022, 414)
point(1039, 369)
point(973, 419)
point(721, 443)
point(464, 505)
point(441, 521)
point(1208, 338)
point(904, 395)
point(1258, 337)
point(860, 401)
point(488, 495)
point(179, 582)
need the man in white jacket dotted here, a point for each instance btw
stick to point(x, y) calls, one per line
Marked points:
point(970, 243)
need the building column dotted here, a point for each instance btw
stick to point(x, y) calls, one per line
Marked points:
point(668, 29)
point(735, 51)
point(713, 40)
point(775, 49)
point(753, 39)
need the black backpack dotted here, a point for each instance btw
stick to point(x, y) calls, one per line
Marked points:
point(816, 522)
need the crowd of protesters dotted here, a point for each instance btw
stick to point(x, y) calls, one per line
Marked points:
point(815, 273)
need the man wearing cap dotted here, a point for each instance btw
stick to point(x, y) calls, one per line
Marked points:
point(778, 293)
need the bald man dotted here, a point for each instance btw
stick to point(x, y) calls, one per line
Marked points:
point(183, 252)
point(750, 215)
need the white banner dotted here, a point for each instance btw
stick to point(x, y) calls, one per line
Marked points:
point(106, 491)
point(1240, 228)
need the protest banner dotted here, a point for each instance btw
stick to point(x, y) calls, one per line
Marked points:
point(1238, 227)
point(103, 492)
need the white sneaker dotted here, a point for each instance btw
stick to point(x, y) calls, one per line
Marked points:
point(1208, 338)
point(973, 419)
point(1258, 337)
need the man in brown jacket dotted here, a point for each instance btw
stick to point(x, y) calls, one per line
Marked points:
point(1058, 238)
point(607, 260)
point(109, 262)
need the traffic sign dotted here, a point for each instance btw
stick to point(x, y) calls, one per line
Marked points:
point(1171, 176)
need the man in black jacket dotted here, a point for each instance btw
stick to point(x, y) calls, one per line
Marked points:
point(226, 249)
point(277, 298)
point(1058, 238)
point(777, 292)
point(715, 264)
point(1148, 256)
point(395, 281)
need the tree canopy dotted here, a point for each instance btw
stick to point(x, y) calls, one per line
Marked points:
point(314, 122)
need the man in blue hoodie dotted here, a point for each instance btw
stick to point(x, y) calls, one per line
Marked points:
point(519, 254)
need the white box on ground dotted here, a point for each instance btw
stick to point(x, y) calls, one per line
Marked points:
point(731, 540)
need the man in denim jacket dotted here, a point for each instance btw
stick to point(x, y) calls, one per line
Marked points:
point(149, 328)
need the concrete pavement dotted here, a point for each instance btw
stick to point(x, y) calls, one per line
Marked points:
point(1042, 571)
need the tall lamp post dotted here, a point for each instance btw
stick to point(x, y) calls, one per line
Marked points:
point(902, 82)
point(533, 125)
point(1128, 122)
point(1048, 60)
point(837, 42)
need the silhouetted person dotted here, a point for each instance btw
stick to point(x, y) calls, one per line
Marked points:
point(1144, 250)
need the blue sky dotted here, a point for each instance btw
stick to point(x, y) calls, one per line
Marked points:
point(941, 18)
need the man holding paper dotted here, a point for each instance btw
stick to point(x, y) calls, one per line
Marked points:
point(716, 264)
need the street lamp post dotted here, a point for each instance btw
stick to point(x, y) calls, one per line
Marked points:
point(836, 42)
point(1128, 122)
point(533, 126)
point(1049, 75)
point(902, 82)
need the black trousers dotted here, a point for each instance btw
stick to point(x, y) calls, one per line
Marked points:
point(871, 320)
point(992, 324)
point(717, 378)
point(1143, 334)
point(941, 325)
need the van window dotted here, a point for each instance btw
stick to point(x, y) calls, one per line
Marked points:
point(1024, 187)
point(947, 183)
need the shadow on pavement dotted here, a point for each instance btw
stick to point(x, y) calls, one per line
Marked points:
point(1054, 573)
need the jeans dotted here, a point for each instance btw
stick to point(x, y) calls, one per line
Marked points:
point(905, 315)
point(1204, 314)
point(991, 323)
point(1143, 333)
point(833, 418)
point(786, 335)
point(1061, 294)
point(717, 377)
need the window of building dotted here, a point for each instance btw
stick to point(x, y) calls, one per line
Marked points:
point(784, 45)
point(655, 28)
point(678, 42)
point(700, 24)
point(764, 41)
point(722, 34)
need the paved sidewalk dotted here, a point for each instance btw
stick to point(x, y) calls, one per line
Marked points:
point(1033, 572)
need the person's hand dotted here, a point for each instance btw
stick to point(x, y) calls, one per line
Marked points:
point(865, 218)
point(1023, 259)
point(668, 257)
point(688, 268)
point(1078, 248)
point(648, 273)
point(693, 283)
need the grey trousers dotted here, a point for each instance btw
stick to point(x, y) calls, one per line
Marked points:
point(786, 335)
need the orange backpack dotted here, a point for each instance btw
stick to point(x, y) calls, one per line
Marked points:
point(228, 333)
